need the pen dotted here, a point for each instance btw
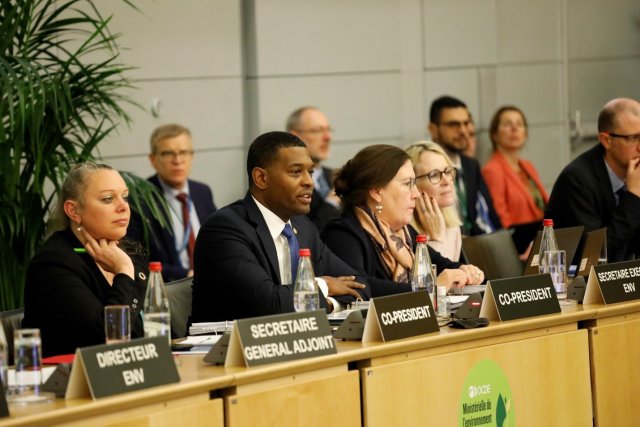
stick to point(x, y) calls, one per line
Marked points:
point(80, 250)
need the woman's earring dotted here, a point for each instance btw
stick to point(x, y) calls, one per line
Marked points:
point(378, 209)
point(79, 228)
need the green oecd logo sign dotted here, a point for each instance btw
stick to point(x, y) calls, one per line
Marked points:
point(485, 398)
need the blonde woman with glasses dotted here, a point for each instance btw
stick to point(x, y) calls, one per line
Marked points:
point(436, 213)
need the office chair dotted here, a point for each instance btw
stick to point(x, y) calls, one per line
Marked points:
point(11, 320)
point(179, 294)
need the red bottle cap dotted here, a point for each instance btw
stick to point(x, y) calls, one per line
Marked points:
point(305, 252)
point(421, 238)
point(155, 266)
point(547, 222)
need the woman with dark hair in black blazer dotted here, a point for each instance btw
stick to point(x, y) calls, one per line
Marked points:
point(378, 192)
point(84, 266)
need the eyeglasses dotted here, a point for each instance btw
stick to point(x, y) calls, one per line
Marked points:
point(409, 183)
point(318, 130)
point(629, 139)
point(182, 154)
point(435, 176)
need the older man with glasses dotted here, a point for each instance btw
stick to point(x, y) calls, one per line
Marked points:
point(190, 203)
point(601, 187)
point(312, 127)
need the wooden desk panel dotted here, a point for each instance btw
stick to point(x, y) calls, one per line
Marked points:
point(321, 400)
point(615, 369)
point(548, 376)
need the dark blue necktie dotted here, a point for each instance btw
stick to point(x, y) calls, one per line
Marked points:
point(620, 193)
point(294, 248)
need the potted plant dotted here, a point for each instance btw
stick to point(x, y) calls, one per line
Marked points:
point(61, 94)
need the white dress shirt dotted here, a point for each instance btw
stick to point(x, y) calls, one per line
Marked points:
point(275, 226)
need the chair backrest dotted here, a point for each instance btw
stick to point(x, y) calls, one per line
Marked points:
point(179, 293)
point(495, 254)
point(11, 320)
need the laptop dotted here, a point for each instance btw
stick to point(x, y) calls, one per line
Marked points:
point(594, 251)
point(524, 234)
point(567, 238)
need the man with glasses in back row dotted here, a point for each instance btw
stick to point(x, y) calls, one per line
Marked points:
point(312, 127)
point(601, 187)
point(450, 125)
point(190, 203)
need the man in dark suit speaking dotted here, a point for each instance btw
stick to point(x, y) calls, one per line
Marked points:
point(601, 187)
point(243, 264)
point(190, 203)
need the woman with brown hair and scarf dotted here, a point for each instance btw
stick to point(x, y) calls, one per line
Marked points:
point(378, 192)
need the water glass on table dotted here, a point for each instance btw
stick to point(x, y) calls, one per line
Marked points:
point(28, 366)
point(556, 262)
point(117, 324)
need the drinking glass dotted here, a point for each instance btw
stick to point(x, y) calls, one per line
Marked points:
point(117, 324)
point(557, 264)
point(28, 365)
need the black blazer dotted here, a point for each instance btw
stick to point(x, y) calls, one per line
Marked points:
point(322, 212)
point(65, 295)
point(347, 239)
point(474, 183)
point(582, 195)
point(162, 246)
point(236, 265)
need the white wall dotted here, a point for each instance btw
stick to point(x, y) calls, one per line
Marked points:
point(232, 69)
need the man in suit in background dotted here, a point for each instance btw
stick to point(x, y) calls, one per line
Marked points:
point(449, 126)
point(601, 187)
point(190, 203)
point(246, 253)
point(312, 127)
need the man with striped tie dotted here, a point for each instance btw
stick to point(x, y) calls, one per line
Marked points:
point(190, 203)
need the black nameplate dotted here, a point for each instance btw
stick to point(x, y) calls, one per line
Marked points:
point(279, 338)
point(110, 369)
point(400, 316)
point(520, 297)
point(618, 282)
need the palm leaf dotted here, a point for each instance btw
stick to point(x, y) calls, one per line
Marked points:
point(61, 94)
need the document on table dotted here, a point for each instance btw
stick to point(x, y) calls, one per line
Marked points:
point(199, 344)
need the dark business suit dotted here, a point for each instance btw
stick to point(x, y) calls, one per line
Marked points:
point(582, 195)
point(236, 265)
point(474, 183)
point(321, 211)
point(347, 239)
point(65, 295)
point(162, 245)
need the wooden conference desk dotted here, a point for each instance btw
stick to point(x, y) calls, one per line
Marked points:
point(551, 362)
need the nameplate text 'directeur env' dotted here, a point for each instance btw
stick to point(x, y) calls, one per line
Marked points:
point(110, 369)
